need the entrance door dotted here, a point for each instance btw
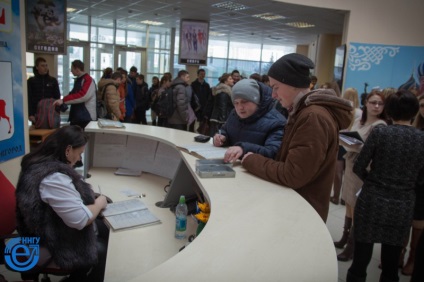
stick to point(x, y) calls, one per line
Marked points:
point(126, 57)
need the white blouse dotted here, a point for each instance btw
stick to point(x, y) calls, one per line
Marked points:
point(58, 191)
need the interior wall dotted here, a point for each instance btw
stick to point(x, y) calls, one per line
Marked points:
point(12, 167)
point(377, 21)
point(326, 51)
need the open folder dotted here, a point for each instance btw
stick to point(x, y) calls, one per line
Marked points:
point(351, 137)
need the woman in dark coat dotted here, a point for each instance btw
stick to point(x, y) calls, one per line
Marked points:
point(385, 206)
point(222, 104)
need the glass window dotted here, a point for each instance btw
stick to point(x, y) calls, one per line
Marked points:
point(245, 51)
point(271, 53)
point(136, 38)
point(158, 62)
point(120, 37)
point(101, 34)
point(101, 58)
point(217, 48)
point(78, 32)
point(246, 68)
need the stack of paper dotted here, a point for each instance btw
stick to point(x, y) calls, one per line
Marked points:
point(128, 214)
point(205, 150)
point(107, 123)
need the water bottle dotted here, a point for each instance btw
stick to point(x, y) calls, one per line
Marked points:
point(181, 219)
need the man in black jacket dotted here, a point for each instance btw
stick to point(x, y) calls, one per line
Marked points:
point(203, 92)
point(41, 86)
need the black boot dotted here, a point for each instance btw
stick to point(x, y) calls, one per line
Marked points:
point(346, 230)
point(347, 254)
point(353, 278)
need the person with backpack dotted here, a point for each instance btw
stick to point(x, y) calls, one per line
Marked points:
point(82, 97)
point(41, 86)
point(183, 114)
point(158, 101)
point(108, 92)
point(142, 100)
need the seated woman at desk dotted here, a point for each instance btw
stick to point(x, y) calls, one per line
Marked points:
point(253, 126)
point(54, 203)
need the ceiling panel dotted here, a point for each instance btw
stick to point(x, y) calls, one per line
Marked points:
point(240, 25)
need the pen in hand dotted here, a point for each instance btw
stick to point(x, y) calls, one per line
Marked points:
point(100, 190)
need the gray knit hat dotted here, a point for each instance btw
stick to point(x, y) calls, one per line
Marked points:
point(293, 70)
point(247, 89)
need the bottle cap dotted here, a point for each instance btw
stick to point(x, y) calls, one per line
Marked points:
point(182, 199)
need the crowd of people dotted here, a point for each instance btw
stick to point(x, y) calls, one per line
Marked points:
point(282, 127)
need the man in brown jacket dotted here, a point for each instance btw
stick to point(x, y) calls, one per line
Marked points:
point(306, 159)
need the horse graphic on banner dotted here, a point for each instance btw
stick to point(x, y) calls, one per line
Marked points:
point(3, 113)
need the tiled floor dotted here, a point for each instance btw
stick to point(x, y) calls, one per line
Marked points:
point(335, 225)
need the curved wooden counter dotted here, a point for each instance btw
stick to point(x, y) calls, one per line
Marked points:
point(257, 231)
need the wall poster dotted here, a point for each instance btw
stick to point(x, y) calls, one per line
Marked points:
point(12, 140)
point(379, 66)
point(46, 26)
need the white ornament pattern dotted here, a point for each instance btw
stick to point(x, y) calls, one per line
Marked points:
point(361, 58)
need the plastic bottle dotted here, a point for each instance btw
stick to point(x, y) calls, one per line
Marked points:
point(181, 219)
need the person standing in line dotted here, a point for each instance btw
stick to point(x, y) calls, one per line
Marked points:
point(183, 114)
point(235, 74)
point(350, 94)
point(389, 164)
point(153, 94)
point(82, 97)
point(108, 91)
point(372, 115)
point(307, 157)
point(221, 101)
point(203, 92)
point(418, 219)
point(142, 100)
point(41, 86)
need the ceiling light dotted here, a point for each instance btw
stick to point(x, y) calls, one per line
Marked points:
point(300, 24)
point(228, 5)
point(215, 33)
point(151, 22)
point(70, 10)
point(268, 16)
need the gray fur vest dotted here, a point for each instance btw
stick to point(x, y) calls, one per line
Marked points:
point(70, 248)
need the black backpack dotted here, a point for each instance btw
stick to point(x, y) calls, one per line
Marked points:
point(165, 103)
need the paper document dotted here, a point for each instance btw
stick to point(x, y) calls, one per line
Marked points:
point(205, 150)
point(127, 214)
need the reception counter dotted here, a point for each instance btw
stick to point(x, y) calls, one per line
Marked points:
point(257, 230)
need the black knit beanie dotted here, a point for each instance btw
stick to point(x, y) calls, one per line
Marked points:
point(293, 70)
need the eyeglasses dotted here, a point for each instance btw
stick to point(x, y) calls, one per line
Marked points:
point(375, 103)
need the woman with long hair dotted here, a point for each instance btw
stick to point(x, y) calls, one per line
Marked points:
point(372, 115)
point(54, 202)
point(222, 104)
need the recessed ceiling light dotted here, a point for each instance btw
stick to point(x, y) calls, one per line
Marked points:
point(70, 10)
point(215, 33)
point(300, 24)
point(228, 5)
point(268, 16)
point(151, 22)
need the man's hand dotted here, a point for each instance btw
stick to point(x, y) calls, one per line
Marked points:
point(58, 102)
point(245, 156)
point(233, 154)
point(219, 140)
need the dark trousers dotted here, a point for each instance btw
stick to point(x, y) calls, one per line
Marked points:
point(81, 124)
point(140, 116)
point(97, 272)
point(418, 274)
point(389, 260)
point(178, 126)
point(162, 121)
